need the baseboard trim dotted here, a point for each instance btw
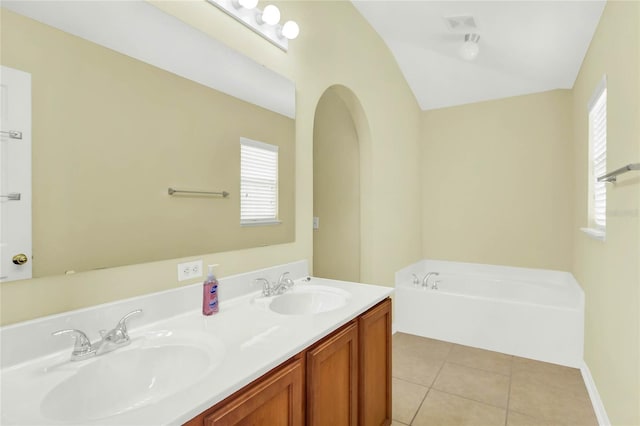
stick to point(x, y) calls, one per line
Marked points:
point(598, 406)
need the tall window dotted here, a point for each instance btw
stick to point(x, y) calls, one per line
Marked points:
point(258, 183)
point(598, 159)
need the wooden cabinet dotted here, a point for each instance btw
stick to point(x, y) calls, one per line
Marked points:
point(342, 380)
point(332, 379)
point(374, 333)
point(275, 400)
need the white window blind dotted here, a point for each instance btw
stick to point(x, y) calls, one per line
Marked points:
point(258, 182)
point(598, 156)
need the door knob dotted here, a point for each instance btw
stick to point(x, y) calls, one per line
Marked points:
point(20, 259)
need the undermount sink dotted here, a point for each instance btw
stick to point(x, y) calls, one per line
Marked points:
point(308, 300)
point(130, 378)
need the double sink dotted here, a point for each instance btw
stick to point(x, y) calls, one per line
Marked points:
point(157, 364)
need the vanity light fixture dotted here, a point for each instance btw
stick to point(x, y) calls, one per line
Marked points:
point(470, 49)
point(247, 4)
point(290, 30)
point(264, 22)
point(270, 15)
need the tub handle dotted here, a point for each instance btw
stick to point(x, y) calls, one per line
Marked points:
point(416, 280)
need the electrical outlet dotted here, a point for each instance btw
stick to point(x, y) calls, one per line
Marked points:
point(189, 270)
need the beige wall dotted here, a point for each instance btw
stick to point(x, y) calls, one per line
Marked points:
point(336, 191)
point(609, 271)
point(111, 134)
point(336, 46)
point(497, 182)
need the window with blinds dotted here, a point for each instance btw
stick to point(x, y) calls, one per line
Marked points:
point(258, 183)
point(598, 157)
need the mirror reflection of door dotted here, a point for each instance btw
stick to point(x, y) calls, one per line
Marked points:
point(15, 175)
point(336, 191)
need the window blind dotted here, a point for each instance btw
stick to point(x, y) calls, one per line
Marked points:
point(258, 182)
point(598, 149)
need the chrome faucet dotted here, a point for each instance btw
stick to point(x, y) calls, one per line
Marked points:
point(110, 341)
point(425, 280)
point(284, 284)
point(266, 286)
point(83, 348)
point(118, 337)
point(416, 280)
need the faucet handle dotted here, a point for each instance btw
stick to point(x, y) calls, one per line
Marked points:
point(82, 347)
point(122, 324)
point(284, 278)
point(416, 280)
point(266, 286)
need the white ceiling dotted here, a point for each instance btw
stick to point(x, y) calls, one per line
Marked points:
point(525, 46)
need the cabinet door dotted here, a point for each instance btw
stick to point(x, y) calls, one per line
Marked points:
point(374, 329)
point(332, 380)
point(275, 401)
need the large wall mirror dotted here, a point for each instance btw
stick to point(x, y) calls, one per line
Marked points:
point(128, 101)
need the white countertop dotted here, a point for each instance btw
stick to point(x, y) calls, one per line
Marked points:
point(253, 339)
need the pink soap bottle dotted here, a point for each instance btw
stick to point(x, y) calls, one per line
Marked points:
point(210, 294)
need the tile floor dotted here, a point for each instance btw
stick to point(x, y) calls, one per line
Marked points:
point(438, 383)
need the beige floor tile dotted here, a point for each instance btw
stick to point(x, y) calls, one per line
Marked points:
point(413, 368)
point(518, 419)
point(554, 404)
point(569, 383)
point(407, 398)
point(442, 409)
point(397, 423)
point(421, 346)
point(547, 374)
point(479, 358)
point(520, 364)
point(479, 385)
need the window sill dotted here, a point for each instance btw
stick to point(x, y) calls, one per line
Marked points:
point(261, 222)
point(596, 234)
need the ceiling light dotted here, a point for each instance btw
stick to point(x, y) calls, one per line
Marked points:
point(470, 49)
point(290, 30)
point(270, 15)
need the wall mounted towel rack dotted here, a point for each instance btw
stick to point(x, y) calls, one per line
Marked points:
point(13, 134)
point(13, 196)
point(611, 177)
point(173, 191)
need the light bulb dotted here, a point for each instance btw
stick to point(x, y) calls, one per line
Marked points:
point(248, 4)
point(290, 30)
point(470, 49)
point(270, 15)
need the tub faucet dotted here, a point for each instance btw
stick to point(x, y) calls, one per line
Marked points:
point(425, 280)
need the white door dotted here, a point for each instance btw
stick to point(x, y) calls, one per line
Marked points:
point(15, 175)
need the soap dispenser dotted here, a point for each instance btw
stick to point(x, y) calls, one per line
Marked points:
point(210, 294)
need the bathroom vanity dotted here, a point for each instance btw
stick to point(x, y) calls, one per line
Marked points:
point(317, 354)
point(344, 379)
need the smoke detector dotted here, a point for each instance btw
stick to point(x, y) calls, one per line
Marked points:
point(464, 23)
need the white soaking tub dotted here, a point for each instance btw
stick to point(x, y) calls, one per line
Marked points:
point(531, 313)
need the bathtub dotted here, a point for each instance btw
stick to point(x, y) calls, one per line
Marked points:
point(532, 313)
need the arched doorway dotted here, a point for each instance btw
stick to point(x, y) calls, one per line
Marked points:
point(338, 132)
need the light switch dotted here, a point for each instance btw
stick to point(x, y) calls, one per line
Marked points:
point(316, 222)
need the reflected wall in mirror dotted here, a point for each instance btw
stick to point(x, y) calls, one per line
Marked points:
point(111, 133)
